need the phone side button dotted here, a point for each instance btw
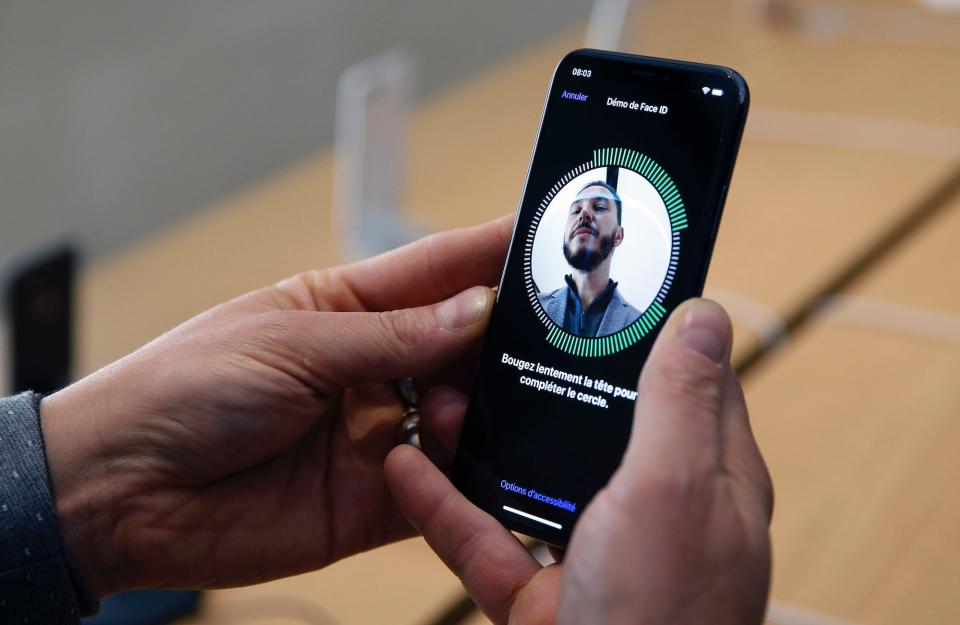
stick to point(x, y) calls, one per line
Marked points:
point(719, 211)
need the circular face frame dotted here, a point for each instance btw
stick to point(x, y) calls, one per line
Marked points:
point(655, 312)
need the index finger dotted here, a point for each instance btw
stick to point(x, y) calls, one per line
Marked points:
point(492, 564)
point(423, 272)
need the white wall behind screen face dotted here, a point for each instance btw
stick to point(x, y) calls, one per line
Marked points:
point(640, 263)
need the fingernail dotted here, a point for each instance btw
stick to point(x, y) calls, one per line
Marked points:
point(461, 310)
point(704, 331)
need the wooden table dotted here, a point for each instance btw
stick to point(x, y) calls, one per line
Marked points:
point(857, 417)
point(857, 424)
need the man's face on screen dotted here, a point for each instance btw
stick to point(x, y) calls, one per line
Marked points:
point(592, 229)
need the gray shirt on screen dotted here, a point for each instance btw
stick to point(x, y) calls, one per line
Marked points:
point(608, 314)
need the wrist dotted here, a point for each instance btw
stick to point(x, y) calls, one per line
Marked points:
point(87, 493)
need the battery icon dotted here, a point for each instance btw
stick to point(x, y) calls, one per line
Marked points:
point(716, 92)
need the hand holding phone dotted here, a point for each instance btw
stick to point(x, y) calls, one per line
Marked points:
point(679, 535)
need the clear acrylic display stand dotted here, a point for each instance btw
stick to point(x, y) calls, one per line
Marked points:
point(373, 109)
point(611, 25)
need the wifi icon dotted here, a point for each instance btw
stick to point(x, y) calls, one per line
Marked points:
point(705, 90)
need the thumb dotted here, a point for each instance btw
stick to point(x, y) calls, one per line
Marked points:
point(350, 348)
point(677, 416)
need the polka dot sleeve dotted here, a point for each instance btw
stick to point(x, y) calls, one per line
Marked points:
point(38, 582)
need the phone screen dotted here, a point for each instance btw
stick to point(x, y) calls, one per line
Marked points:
point(614, 230)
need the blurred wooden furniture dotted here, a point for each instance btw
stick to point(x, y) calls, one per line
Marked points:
point(858, 420)
point(857, 424)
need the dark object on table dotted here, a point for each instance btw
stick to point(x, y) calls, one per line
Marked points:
point(40, 307)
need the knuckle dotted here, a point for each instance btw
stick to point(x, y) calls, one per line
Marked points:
point(756, 469)
point(440, 273)
point(403, 330)
point(305, 290)
point(765, 492)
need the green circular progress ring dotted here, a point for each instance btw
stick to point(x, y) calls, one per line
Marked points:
point(655, 312)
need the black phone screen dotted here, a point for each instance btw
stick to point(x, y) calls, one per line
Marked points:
point(614, 230)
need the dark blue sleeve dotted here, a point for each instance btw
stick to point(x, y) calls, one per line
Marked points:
point(38, 581)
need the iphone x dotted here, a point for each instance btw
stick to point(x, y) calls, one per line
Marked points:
point(615, 228)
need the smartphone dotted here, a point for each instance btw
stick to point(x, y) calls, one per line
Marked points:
point(615, 228)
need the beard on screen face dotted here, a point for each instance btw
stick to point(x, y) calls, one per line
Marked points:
point(585, 259)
